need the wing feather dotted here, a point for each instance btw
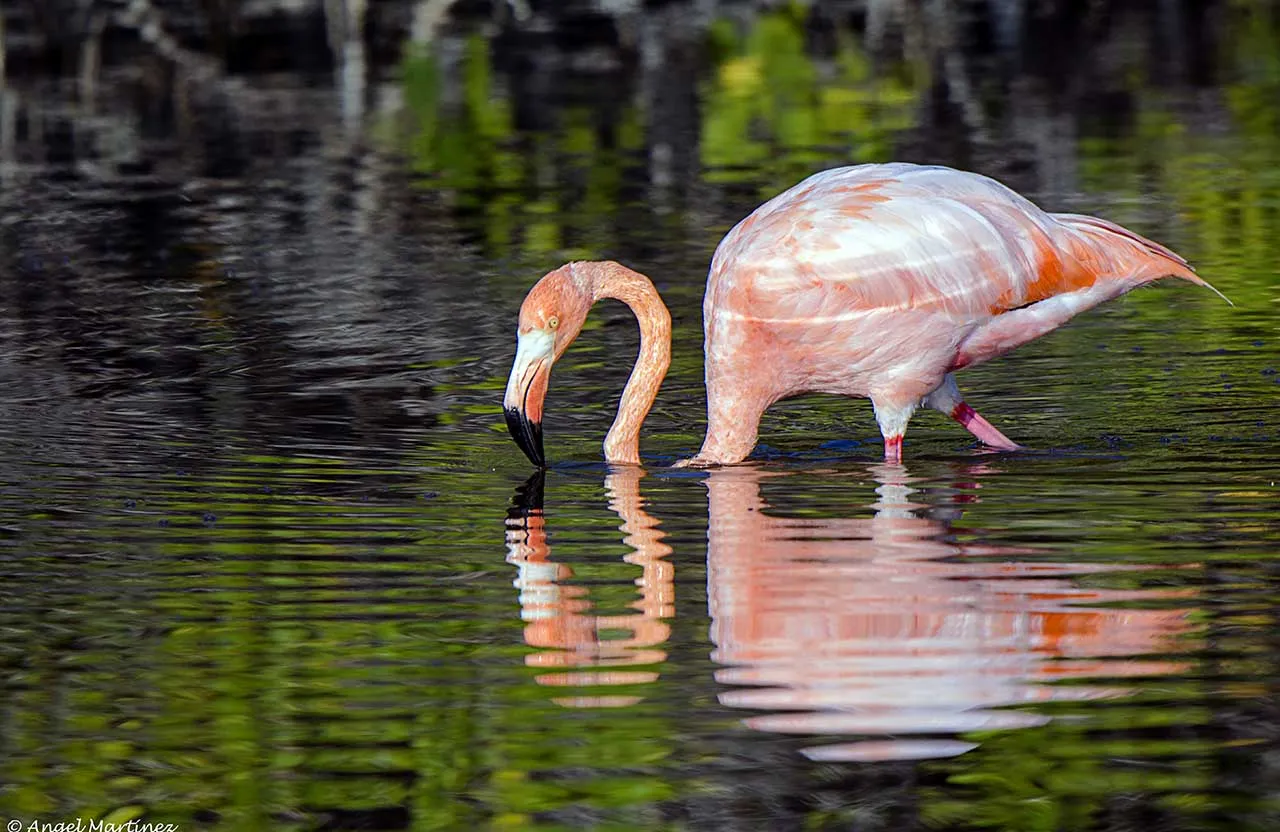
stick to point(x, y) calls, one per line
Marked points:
point(890, 236)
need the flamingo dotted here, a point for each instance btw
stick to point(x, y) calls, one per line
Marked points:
point(879, 281)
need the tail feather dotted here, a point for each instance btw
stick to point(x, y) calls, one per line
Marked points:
point(1160, 261)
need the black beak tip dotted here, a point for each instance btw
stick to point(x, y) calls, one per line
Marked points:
point(528, 435)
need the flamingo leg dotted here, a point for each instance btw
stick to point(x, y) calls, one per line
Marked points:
point(947, 399)
point(974, 423)
point(892, 419)
point(893, 449)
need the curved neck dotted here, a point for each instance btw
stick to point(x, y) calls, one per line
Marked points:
point(612, 280)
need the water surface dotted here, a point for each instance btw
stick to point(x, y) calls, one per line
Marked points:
point(269, 559)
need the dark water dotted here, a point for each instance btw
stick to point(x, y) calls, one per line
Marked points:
point(268, 559)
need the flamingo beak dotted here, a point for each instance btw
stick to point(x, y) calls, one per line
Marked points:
point(526, 390)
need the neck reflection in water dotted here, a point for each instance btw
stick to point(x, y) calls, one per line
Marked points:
point(593, 650)
point(887, 626)
point(871, 627)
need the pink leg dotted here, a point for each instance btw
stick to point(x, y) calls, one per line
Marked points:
point(893, 419)
point(981, 428)
point(946, 399)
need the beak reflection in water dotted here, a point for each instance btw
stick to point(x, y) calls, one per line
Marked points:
point(581, 649)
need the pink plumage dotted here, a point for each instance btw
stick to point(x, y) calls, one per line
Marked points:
point(877, 281)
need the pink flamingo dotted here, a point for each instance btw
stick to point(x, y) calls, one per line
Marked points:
point(876, 280)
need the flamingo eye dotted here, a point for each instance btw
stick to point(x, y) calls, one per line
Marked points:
point(554, 322)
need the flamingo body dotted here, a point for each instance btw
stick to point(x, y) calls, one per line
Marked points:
point(876, 281)
point(881, 280)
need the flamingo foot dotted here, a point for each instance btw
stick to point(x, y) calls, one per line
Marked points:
point(893, 449)
point(981, 428)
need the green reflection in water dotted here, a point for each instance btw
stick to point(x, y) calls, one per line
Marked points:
point(279, 650)
point(773, 116)
point(1062, 776)
point(467, 145)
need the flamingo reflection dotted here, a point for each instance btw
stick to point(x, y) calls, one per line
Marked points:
point(885, 626)
point(590, 649)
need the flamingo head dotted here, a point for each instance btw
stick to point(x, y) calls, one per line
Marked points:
point(550, 318)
